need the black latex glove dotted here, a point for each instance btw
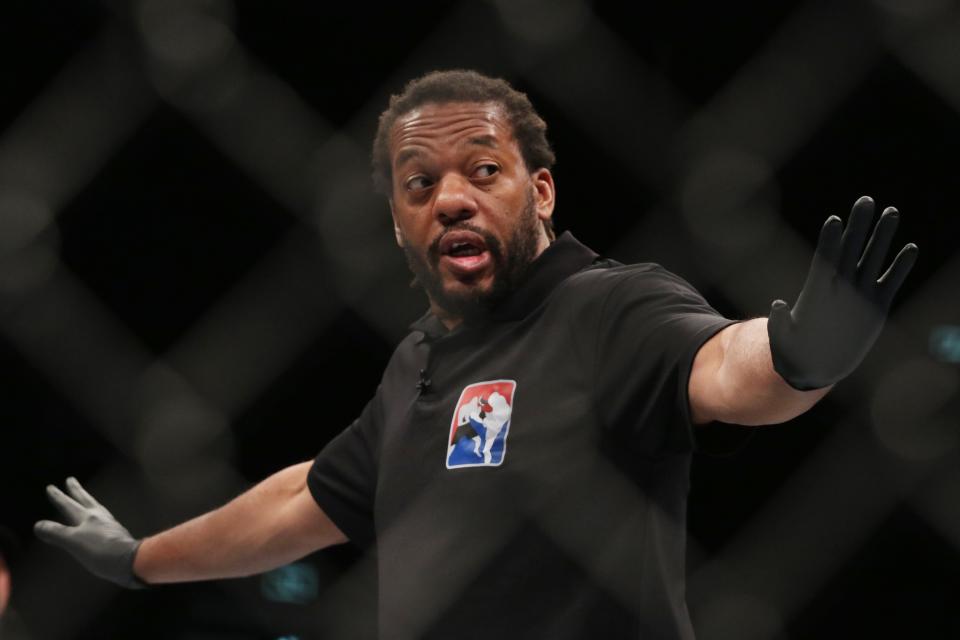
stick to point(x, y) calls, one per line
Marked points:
point(95, 538)
point(842, 307)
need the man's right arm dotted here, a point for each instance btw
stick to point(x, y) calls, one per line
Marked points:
point(274, 523)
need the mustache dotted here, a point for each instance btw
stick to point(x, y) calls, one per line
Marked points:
point(493, 244)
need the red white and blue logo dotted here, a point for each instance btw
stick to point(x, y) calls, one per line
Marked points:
point(481, 421)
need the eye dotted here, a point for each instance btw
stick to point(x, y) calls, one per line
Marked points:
point(486, 170)
point(417, 183)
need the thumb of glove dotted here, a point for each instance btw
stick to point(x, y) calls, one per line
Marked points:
point(779, 322)
point(785, 359)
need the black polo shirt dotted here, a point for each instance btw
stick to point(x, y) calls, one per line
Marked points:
point(526, 476)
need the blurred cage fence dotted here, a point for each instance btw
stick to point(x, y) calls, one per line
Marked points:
point(199, 285)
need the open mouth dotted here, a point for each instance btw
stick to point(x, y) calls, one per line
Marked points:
point(464, 252)
point(460, 249)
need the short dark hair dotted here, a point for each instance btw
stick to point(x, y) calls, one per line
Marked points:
point(461, 85)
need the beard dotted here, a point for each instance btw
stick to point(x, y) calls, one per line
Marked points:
point(510, 263)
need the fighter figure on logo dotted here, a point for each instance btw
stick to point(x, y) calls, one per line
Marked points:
point(480, 424)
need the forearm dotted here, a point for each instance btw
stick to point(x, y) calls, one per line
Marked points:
point(272, 524)
point(751, 392)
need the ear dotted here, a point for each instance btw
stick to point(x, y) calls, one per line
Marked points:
point(396, 228)
point(545, 193)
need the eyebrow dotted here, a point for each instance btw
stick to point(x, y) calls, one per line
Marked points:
point(484, 141)
point(409, 154)
point(406, 155)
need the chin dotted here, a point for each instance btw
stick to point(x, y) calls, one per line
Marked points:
point(481, 285)
point(470, 290)
point(468, 300)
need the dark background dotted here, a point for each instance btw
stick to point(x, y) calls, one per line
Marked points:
point(199, 286)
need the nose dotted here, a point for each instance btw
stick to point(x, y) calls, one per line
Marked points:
point(454, 199)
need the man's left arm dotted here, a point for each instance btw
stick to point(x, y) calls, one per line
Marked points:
point(769, 370)
point(733, 380)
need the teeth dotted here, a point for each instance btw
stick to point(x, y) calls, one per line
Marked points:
point(463, 248)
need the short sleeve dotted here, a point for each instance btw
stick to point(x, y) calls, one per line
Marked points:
point(652, 323)
point(343, 477)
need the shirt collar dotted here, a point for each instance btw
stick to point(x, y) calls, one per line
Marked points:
point(563, 258)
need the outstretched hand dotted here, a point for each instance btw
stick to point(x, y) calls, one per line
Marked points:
point(92, 535)
point(843, 305)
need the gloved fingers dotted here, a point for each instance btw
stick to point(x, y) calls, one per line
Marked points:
point(828, 245)
point(52, 532)
point(827, 253)
point(70, 508)
point(879, 245)
point(891, 280)
point(80, 494)
point(854, 236)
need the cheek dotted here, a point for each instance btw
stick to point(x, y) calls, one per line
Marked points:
point(510, 211)
point(516, 196)
point(406, 220)
point(416, 236)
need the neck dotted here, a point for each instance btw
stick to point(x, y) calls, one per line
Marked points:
point(449, 320)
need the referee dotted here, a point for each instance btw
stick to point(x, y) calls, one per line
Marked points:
point(522, 469)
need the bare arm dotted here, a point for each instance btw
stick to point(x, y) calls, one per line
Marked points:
point(272, 524)
point(733, 380)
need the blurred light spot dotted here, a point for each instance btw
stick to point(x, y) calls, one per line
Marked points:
point(29, 243)
point(188, 35)
point(905, 410)
point(183, 444)
point(177, 429)
point(22, 218)
point(296, 583)
point(945, 343)
point(354, 224)
point(28, 268)
point(733, 616)
point(729, 200)
point(913, 8)
point(4, 585)
point(196, 62)
point(541, 22)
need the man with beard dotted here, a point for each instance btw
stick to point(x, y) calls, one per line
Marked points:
point(576, 526)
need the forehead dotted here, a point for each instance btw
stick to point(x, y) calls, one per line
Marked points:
point(435, 125)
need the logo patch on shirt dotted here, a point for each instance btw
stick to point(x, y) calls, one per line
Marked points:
point(481, 421)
